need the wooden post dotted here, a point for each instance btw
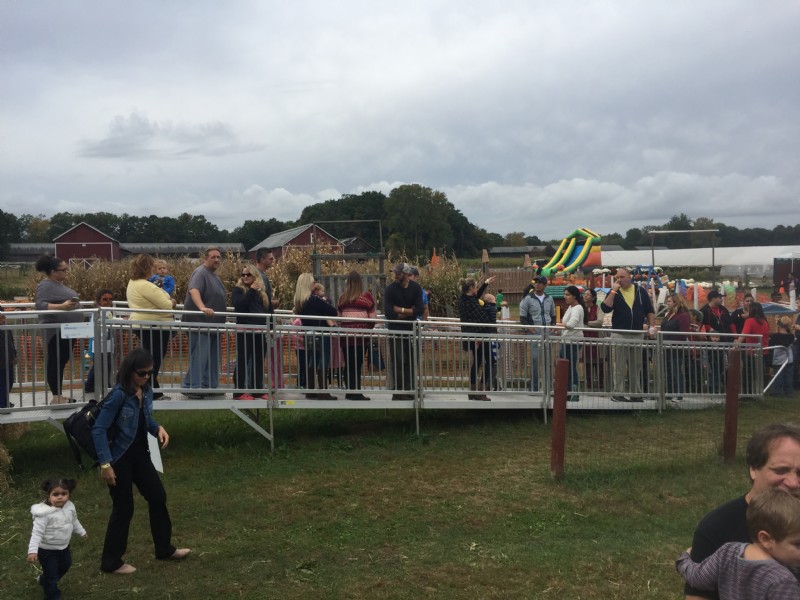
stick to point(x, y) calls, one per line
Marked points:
point(559, 427)
point(731, 405)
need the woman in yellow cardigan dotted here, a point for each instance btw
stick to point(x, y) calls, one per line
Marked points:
point(143, 294)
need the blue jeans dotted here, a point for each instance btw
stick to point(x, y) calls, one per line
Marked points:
point(783, 385)
point(203, 369)
point(55, 564)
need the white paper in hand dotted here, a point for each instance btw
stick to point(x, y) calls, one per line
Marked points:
point(155, 452)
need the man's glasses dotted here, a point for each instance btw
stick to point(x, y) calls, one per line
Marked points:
point(144, 373)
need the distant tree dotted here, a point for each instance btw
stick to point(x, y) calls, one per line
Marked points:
point(134, 229)
point(60, 223)
point(705, 239)
point(196, 228)
point(532, 240)
point(367, 206)
point(108, 223)
point(494, 239)
point(253, 232)
point(679, 222)
point(635, 237)
point(10, 232)
point(35, 229)
point(417, 218)
point(613, 239)
point(468, 240)
point(515, 238)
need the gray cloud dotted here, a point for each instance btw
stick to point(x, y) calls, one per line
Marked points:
point(137, 137)
point(528, 115)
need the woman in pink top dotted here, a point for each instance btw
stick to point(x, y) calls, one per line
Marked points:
point(359, 304)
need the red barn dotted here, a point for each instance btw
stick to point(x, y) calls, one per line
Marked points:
point(86, 243)
point(303, 236)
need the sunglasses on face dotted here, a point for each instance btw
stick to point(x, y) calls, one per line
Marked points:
point(247, 274)
point(144, 373)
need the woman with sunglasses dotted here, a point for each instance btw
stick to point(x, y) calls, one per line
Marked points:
point(248, 296)
point(52, 294)
point(125, 460)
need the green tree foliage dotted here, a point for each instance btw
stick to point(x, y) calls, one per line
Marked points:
point(414, 219)
point(35, 229)
point(367, 206)
point(532, 240)
point(254, 232)
point(417, 217)
point(635, 237)
point(516, 238)
point(468, 240)
point(10, 232)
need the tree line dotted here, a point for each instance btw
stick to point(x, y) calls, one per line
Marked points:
point(414, 219)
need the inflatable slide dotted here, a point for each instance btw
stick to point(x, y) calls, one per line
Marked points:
point(577, 249)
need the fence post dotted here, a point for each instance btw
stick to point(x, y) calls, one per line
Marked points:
point(731, 405)
point(559, 427)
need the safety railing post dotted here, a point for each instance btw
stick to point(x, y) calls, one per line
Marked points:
point(731, 405)
point(559, 426)
point(417, 362)
point(660, 375)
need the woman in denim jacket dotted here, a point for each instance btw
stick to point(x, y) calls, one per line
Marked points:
point(125, 461)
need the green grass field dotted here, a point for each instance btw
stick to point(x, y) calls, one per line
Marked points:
point(352, 504)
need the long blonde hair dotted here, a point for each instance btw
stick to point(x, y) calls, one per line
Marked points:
point(240, 284)
point(302, 291)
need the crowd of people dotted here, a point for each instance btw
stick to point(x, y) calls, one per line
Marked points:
point(621, 369)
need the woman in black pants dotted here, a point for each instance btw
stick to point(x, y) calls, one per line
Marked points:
point(248, 296)
point(471, 311)
point(126, 462)
point(53, 295)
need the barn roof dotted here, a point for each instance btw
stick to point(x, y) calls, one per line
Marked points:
point(84, 223)
point(282, 238)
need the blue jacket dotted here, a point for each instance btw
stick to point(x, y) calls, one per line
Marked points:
point(624, 316)
point(118, 400)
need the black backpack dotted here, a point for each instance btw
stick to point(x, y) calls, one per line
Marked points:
point(78, 429)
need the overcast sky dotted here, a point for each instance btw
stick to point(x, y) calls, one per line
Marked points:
point(531, 116)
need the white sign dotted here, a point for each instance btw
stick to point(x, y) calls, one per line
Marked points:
point(72, 331)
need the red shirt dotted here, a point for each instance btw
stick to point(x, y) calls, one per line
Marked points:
point(752, 326)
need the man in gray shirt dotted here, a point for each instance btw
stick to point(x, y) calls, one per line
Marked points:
point(205, 294)
point(537, 308)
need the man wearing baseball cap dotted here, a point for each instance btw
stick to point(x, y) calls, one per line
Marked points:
point(537, 308)
point(402, 304)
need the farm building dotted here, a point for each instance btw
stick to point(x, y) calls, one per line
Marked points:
point(304, 236)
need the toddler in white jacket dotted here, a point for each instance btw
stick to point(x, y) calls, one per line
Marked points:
point(54, 521)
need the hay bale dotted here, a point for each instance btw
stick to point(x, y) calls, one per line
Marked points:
point(8, 432)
